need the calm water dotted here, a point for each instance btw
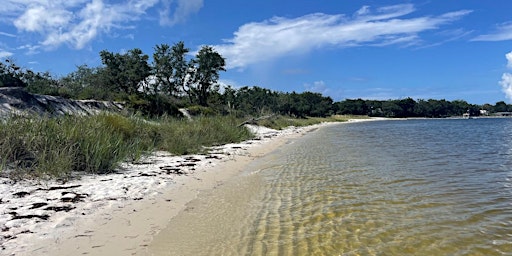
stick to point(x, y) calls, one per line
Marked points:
point(415, 187)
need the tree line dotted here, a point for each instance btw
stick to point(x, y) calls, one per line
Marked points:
point(173, 79)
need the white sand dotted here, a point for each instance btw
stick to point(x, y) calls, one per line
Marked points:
point(119, 213)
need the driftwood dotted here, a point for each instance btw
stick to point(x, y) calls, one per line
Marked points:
point(255, 120)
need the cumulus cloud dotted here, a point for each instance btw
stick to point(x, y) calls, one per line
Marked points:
point(278, 36)
point(78, 22)
point(502, 33)
point(506, 78)
point(506, 85)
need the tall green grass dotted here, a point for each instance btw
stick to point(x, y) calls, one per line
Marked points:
point(61, 147)
point(186, 137)
point(56, 147)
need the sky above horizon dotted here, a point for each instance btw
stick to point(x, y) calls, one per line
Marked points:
point(430, 49)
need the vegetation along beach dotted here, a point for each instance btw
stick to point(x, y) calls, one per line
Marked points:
point(258, 128)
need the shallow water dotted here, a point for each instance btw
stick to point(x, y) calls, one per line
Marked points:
point(415, 187)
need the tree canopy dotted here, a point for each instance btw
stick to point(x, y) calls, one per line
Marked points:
point(176, 79)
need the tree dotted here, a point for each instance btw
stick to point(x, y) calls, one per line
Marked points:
point(391, 109)
point(423, 108)
point(41, 83)
point(353, 107)
point(501, 106)
point(298, 106)
point(88, 83)
point(255, 100)
point(10, 74)
point(203, 74)
point(170, 68)
point(407, 106)
point(317, 104)
point(126, 71)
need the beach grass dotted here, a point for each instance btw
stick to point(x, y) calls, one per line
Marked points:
point(194, 136)
point(56, 147)
point(61, 147)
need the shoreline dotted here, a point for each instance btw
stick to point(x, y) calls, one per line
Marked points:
point(120, 213)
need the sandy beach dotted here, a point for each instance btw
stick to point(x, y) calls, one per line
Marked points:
point(120, 213)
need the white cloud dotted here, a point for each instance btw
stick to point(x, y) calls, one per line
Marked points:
point(502, 33)
point(506, 85)
point(363, 11)
point(78, 22)
point(5, 54)
point(229, 82)
point(317, 86)
point(41, 18)
point(508, 56)
point(7, 34)
point(184, 8)
point(450, 36)
point(278, 37)
point(30, 49)
point(506, 78)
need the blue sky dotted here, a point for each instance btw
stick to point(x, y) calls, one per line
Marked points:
point(344, 49)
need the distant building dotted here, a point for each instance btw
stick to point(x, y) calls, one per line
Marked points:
point(484, 112)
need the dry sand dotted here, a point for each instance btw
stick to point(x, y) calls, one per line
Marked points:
point(120, 213)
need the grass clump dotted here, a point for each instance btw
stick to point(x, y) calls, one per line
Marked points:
point(189, 137)
point(60, 147)
point(56, 147)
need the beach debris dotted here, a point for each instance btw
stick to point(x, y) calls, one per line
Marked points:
point(66, 208)
point(173, 170)
point(186, 165)
point(192, 159)
point(63, 187)
point(37, 205)
point(143, 174)
point(15, 216)
point(213, 157)
point(21, 194)
point(71, 197)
